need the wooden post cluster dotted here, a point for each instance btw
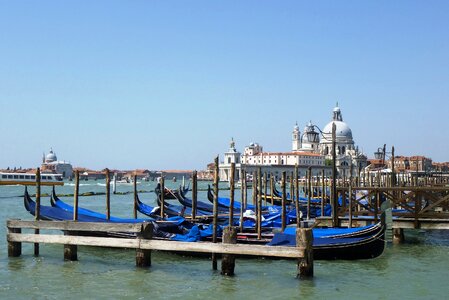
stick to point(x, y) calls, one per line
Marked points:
point(298, 212)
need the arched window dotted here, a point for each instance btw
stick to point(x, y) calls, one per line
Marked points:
point(229, 160)
point(343, 150)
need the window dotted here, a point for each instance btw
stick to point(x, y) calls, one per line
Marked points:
point(21, 177)
point(27, 176)
point(4, 176)
point(16, 176)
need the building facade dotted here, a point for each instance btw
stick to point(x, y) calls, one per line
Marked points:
point(311, 149)
point(51, 164)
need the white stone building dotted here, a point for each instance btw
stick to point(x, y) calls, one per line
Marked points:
point(50, 163)
point(312, 148)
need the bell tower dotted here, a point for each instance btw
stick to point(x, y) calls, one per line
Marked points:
point(296, 138)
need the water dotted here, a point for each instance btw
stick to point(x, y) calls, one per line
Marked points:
point(417, 269)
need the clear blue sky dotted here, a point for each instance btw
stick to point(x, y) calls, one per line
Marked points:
point(166, 84)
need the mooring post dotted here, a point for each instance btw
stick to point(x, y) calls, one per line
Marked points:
point(135, 196)
point(335, 222)
point(265, 187)
point(162, 195)
point(271, 189)
point(323, 192)
point(304, 238)
point(259, 203)
point(70, 251)
point(309, 190)
point(298, 212)
point(228, 260)
point(75, 195)
point(143, 256)
point(284, 200)
point(108, 194)
point(215, 212)
point(398, 235)
point(242, 196)
point(194, 194)
point(231, 199)
point(14, 248)
point(38, 207)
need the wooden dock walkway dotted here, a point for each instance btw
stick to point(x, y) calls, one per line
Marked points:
point(139, 236)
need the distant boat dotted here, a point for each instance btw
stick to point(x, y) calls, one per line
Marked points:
point(29, 179)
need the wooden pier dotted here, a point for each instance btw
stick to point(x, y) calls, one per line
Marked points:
point(139, 236)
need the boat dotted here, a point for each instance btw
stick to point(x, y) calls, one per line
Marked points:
point(170, 194)
point(161, 228)
point(354, 244)
point(13, 178)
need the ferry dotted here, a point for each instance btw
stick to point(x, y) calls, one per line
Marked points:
point(30, 179)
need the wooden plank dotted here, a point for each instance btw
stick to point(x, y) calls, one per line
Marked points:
point(239, 249)
point(74, 240)
point(162, 245)
point(78, 226)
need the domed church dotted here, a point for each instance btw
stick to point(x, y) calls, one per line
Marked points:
point(321, 142)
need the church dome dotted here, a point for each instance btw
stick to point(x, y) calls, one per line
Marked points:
point(51, 157)
point(342, 130)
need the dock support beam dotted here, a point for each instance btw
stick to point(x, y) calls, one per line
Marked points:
point(14, 248)
point(70, 251)
point(398, 236)
point(228, 260)
point(304, 238)
point(143, 256)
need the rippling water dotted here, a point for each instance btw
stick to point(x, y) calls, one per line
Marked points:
point(416, 269)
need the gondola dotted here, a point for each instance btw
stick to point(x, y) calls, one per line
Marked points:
point(340, 248)
point(163, 229)
point(171, 194)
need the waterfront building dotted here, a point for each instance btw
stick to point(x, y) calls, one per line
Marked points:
point(50, 163)
point(312, 148)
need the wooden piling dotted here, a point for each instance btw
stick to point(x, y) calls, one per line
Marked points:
point(37, 211)
point(194, 193)
point(14, 248)
point(265, 186)
point(162, 195)
point(398, 235)
point(231, 195)
point(215, 212)
point(309, 189)
point(284, 200)
point(228, 260)
point(272, 189)
point(304, 238)
point(259, 203)
point(323, 192)
point(70, 251)
point(242, 196)
point(75, 195)
point(135, 196)
point(254, 195)
point(334, 179)
point(298, 212)
point(143, 256)
point(108, 195)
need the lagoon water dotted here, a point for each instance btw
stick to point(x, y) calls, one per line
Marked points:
point(415, 270)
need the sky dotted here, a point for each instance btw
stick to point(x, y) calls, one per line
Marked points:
point(167, 84)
